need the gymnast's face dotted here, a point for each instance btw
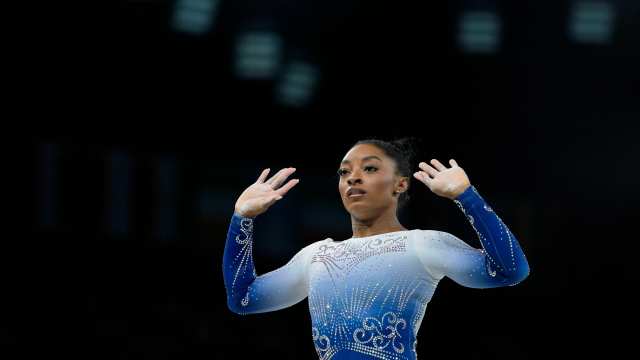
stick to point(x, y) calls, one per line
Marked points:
point(368, 180)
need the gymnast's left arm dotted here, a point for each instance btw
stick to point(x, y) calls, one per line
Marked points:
point(500, 262)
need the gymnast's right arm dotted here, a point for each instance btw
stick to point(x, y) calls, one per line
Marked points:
point(246, 292)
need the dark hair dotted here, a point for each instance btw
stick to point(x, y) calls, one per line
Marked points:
point(403, 151)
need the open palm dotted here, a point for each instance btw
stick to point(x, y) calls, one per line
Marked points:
point(443, 181)
point(258, 197)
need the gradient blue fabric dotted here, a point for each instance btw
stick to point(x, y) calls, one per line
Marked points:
point(367, 296)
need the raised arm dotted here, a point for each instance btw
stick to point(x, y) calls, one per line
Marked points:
point(500, 262)
point(246, 292)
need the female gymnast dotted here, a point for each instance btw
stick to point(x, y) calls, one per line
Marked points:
point(368, 294)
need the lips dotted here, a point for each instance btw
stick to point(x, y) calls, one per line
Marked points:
point(355, 192)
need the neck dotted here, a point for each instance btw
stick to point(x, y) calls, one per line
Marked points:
point(386, 222)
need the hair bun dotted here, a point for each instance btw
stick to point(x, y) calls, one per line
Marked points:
point(409, 146)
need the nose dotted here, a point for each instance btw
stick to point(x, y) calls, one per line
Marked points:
point(354, 179)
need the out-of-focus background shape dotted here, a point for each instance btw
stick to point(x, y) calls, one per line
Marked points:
point(179, 104)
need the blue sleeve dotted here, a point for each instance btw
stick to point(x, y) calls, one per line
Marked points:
point(500, 262)
point(246, 291)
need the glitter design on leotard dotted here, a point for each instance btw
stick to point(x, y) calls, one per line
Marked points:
point(367, 296)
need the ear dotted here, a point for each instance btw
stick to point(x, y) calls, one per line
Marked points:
point(402, 185)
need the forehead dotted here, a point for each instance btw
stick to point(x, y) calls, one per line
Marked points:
point(358, 152)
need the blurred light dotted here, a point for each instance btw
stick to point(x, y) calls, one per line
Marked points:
point(591, 22)
point(479, 32)
point(165, 216)
point(47, 184)
point(258, 55)
point(118, 196)
point(194, 16)
point(297, 85)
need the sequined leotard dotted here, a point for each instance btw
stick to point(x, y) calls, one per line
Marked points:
point(368, 295)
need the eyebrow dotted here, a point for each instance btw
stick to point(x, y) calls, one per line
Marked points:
point(363, 159)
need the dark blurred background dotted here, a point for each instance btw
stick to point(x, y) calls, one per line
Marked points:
point(178, 105)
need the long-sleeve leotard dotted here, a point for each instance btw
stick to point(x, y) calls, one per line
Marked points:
point(367, 295)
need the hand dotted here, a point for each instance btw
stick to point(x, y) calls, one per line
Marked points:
point(441, 181)
point(258, 197)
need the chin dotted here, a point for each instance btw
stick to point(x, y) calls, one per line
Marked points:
point(361, 214)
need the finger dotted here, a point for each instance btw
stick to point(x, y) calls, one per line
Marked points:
point(428, 169)
point(280, 179)
point(273, 199)
point(423, 177)
point(274, 177)
point(263, 176)
point(283, 190)
point(453, 163)
point(438, 165)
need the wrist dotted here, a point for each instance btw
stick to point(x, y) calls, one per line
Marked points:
point(457, 193)
point(470, 197)
point(240, 214)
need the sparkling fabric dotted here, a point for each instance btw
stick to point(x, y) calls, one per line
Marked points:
point(367, 296)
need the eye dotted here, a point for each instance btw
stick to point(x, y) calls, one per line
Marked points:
point(370, 169)
point(342, 172)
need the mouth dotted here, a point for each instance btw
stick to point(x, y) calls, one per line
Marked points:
point(355, 193)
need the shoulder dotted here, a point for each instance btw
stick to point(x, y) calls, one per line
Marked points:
point(312, 248)
point(305, 254)
point(428, 235)
point(437, 239)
